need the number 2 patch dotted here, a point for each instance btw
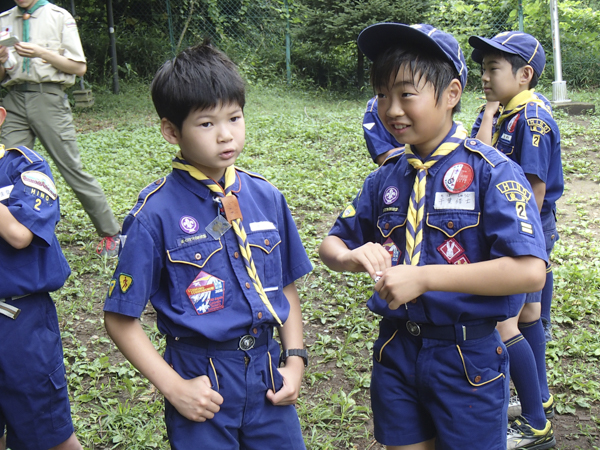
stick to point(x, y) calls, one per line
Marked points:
point(536, 140)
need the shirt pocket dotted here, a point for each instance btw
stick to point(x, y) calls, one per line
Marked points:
point(389, 223)
point(201, 273)
point(266, 253)
point(505, 148)
point(452, 236)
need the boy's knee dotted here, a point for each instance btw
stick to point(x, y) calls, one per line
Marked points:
point(531, 312)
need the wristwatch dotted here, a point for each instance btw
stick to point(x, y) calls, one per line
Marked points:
point(294, 352)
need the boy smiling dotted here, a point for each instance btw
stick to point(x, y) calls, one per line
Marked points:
point(437, 228)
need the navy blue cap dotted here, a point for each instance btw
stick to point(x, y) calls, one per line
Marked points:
point(513, 42)
point(374, 39)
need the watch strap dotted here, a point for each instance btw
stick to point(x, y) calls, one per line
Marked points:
point(302, 352)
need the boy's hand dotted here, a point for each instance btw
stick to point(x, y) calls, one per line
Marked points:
point(401, 284)
point(292, 379)
point(370, 258)
point(195, 399)
point(3, 54)
point(29, 49)
point(491, 108)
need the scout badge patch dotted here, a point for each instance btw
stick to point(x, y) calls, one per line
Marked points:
point(207, 293)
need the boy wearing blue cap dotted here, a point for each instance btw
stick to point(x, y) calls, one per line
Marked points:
point(216, 251)
point(438, 228)
point(525, 131)
point(380, 143)
point(34, 401)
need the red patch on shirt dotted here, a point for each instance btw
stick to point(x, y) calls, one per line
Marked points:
point(207, 293)
point(458, 178)
point(451, 251)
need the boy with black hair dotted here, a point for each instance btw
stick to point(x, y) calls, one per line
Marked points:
point(34, 401)
point(216, 251)
point(512, 63)
point(438, 228)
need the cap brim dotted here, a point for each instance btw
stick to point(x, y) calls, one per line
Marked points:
point(375, 39)
point(481, 44)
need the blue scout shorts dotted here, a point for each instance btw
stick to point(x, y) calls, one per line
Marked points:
point(454, 391)
point(34, 404)
point(247, 419)
point(550, 236)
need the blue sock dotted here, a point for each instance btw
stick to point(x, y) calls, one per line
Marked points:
point(523, 372)
point(547, 292)
point(534, 333)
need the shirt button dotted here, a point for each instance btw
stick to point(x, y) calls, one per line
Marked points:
point(255, 330)
point(247, 285)
point(450, 224)
point(236, 255)
point(499, 350)
point(473, 143)
point(259, 315)
point(198, 256)
point(553, 236)
point(387, 226)
point(267, 242)
point(477, 379)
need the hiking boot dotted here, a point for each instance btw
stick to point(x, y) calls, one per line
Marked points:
point(514, 407)
point(520, 435)
point(109, 246)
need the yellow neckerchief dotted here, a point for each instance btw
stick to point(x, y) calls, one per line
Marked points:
point(416, 205)
point(516, 104)
point(2, 151)
point(236, 223)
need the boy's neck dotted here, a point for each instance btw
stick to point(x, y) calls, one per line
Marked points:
point(424, 152)
point(516, 99)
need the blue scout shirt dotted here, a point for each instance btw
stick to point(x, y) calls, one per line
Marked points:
point(27, 189)
point(478, 207)
point(197, 282)
point(530, 137)
point(378, 139)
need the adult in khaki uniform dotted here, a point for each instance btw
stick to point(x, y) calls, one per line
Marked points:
point(36, 71)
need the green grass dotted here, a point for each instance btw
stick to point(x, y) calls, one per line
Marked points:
point(310, 146)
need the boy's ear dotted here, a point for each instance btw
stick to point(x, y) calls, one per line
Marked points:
point(169, 131)
point(453, 93)
point(526, 75)
point(2, 115)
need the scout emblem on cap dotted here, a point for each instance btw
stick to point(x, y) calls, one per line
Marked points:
point(458, 178)
point(390, 195)
point(207, 293)
point(188, 225)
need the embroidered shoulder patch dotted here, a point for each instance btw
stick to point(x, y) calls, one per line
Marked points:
point(348, 212)
point(40, 181)
point(125, 282)
point(111, 287)
point(514, 192)
point(538, 126)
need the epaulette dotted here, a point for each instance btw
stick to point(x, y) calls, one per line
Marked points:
point(145, 194)
point(371, 104)
point(29, 154)
point(490, 154)
point(7, 12)
point(254, 175)
point(394, 156)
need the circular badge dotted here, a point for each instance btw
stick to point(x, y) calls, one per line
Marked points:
point(188, 225)
point(390, 195)
point(458, 178)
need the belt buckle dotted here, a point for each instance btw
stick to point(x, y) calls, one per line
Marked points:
point(246, 342)
point(413, 328)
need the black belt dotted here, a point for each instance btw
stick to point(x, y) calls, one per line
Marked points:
point(53, 88)
point(243, 343)
point(458, 332)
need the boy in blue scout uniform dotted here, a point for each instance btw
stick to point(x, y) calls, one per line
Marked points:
point(438, 228)
point(216, 251)
point(380, 143)
point(34, 402)
point(525, 131)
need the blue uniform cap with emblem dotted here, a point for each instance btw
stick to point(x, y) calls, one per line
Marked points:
point(374, 39)
point(513, 42)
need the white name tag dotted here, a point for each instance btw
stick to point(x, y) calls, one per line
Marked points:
point(271, 289)
point(261, 226)
point(5, 191)
point(464, 200)
point(506, 137)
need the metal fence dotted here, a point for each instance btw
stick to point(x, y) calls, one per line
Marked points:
point(149, 31)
